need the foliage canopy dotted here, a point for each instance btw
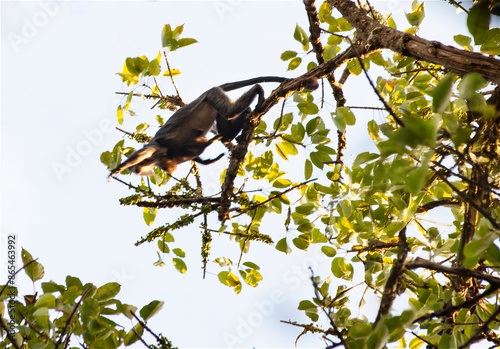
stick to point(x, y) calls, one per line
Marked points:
point(435, 154)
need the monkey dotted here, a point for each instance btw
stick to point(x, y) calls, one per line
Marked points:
point(182, 137)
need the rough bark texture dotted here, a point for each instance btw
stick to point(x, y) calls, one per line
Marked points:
point(374, 34)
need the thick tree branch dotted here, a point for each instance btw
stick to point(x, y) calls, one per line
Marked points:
point(283, 91)
point(374, 34)
point(422, 263)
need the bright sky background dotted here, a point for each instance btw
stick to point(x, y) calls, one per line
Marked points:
point(58, 106)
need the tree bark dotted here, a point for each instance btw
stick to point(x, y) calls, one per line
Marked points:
point(374, 34)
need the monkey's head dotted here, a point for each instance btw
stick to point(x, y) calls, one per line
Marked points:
point(312, 84)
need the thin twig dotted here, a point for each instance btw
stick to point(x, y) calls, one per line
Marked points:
point(335, 329)
point(486, 215)
point(464, 305)
point(77, 305)
point(484, 328)
point(146, 327)
point(170, 73)
point(12, 341)
point(140, 338)
point(393, 280)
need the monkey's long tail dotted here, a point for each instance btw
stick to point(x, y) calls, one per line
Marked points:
point(239, 84)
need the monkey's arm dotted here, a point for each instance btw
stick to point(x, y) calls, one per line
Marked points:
point(208, 161)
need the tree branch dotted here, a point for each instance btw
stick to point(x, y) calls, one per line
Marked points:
point(462, 271)
point(381, 36)
point(392, 284)
point(283, 91)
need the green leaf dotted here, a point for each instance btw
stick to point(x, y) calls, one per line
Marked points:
point(47, 300)
point(491, 45)
point(298, 132)
point(360, 330)
point(347, 114)
point(223, 261)
point(41, 317)
point(330, 52)
point(281, 152)
point(339, 122)
point(354, 67)
point(163, 246)
point(390, 22)
point(126, 309)
point(131, 336)
point(74, 281)
point(179, 252)
point(478, 21)
point(463, 41)
point(448, 341)
point(308, 169)
point(107, 291)
point(282, 183)
point(186, 42)
point(141, 127)
point(252, 278)
point(416, 179)
point(417, 16)
point(229, 279)
point(90, 309)
point(301, 36)
point(149, 214)
point(416, 132)
point(179, 265)
point(469, 84)
point(167, 237)
point(364, 157)
point(166, 35)
point(441, 93)
point(328, 251)
point(318, 237)
point(283, 246)
point(301, 243)
point(304, 305)
point(287, 55)
point(35, 270)
point(341, 269)
point(119, 115)
point(308, 108)
point(373, 130)
point(170, 73)
point(294, 63)
point(148, 311)
point(305, 209)
point(251, 265)
point(10, 291)
point(377, 58)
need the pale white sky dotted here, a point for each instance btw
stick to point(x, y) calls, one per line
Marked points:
point(58, 106)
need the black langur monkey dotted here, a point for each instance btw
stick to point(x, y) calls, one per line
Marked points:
point(182, 137)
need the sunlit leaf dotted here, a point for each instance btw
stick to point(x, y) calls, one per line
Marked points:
point(180, 265)
point(283, 246)
point(151, 309)
point(287, 55)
